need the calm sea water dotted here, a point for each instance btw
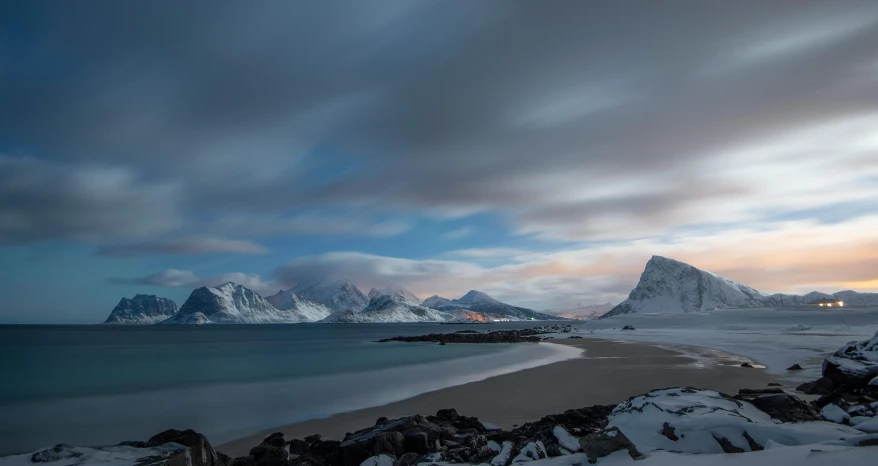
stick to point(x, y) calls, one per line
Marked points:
point(97, 385)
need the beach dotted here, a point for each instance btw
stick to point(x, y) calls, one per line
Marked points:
point(609, 372)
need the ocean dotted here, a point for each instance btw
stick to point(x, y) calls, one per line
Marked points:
point(99, 385)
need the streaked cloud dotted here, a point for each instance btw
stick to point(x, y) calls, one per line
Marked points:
point(190, 246)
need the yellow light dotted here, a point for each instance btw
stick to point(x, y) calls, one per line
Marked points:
point(821, 304)
point(840, 303)
point(829, 304)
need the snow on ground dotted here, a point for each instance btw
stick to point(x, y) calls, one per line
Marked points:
point(63, 455)
point(807, 455)
point(775, 338)
point(380, 460)
point(565, 439)
point(697, 418)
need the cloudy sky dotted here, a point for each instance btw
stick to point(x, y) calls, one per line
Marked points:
point(538, 151)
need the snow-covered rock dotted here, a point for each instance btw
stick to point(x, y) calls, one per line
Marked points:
point(230, 303)
point(405, 294)
point(705, 421)
point(670, 286)
point(308, 311)
point(142, 309)
point(119, 455)
point(854, 364)
point(835, 414)
point(389, 309)
point(339, 295)
point(869, 425)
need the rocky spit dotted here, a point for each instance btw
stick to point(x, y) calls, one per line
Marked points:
point(529, 335)
point(681, 419)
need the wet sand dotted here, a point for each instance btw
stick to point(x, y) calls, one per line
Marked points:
point(609, 373)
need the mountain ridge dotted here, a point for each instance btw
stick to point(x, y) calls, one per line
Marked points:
point(670, 286)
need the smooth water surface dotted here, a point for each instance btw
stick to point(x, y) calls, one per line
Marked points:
point(98, 385)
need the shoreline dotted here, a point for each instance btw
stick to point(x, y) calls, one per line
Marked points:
point(609, 372)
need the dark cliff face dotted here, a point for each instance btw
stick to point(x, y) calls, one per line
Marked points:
point(201, 300)
point(142, 309)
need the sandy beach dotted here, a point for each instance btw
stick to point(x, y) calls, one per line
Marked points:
point(610, 372)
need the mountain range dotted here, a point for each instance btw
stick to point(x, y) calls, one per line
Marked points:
point(670, 286)
point(337, 301)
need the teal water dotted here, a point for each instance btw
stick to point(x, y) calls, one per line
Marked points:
point(96, 385)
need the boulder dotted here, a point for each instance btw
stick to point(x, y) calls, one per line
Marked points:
point(821, 386)
point(701, 419)
point(849, 372)
point(600, 444)
point(781, 406)
point(795, 367)
point(202, 453)
point(448, 415)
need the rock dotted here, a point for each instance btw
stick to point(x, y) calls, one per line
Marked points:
point(699, 415)
point(726, 445)
point(835, 414)
point(449, 415)
point(774, 384)
point(497, 336)
point(275, 440)
point(795, 367)
point(273, 456)
point(575, 422)
point(668, 432)
point(202, 452)
point(849, 372)
point(821, 386)
point(628, 327)
point(747, 364)
point(574, 337)
point(56, 453)
point(299, 447)
point(407, 459)
point(417, 442)
point(783, 407)
point(602, 443)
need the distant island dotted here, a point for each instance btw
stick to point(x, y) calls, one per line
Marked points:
point(326, 302)
point(665, 286)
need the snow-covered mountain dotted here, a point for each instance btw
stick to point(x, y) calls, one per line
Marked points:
point(339, 295)
point(309, 311)
point(405, 294)
point(669, 286)
point(388, 309)
point(478, 302)
point(142, 309)
point(475, 297)
point(230, 303)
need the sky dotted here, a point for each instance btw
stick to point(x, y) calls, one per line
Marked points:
point(540, 152)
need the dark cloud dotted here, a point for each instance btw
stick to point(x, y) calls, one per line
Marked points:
point(539, 111)
point(41, 200)
point(186, 247)
point(186, 278)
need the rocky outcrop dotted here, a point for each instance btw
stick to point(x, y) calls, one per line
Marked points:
point(142, 309)
point(497, 336)
point(854, 364)
point(602, 443)
point(780, 405)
